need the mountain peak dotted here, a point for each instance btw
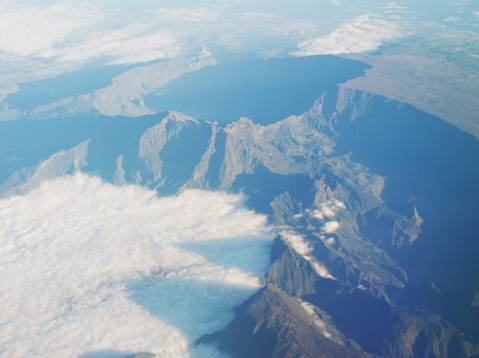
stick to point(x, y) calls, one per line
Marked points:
point(178, 117)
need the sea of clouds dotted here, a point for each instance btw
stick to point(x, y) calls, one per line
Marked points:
point(362, 34)
point(41, 39)
point(90, 269)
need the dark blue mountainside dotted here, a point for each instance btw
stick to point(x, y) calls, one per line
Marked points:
point(402, 276)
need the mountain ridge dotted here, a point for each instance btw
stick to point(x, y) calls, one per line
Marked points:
point(342, 241)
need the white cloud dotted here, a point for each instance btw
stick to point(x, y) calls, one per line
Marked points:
point(297, 242)
point(88, 266)
point(452, 19)
point(362, 34)
point(335, 2)
point(330, 227)
point(38, 31)
point(193, 15)
point(131, 44)
point(70, 33)
point(318, 322)
point(6, 90)
point(303, 248)
point(41, 40)
point(45, 40)
point(394, 7)
point(328, 209)
point(330, 241)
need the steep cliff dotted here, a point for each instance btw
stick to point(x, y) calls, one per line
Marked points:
point(353, 271)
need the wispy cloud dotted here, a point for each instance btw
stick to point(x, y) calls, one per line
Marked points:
point(72, 248)
point(75, 34)
point(40, 31)
point(362, 34)
point(302, 247)
point(47, 39)
point(335, 2)
point(130, 44)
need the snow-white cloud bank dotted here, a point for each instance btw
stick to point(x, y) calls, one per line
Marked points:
point(39, 40)
point(39, 30)
point(69, 34)
point(91, 267)
point(362, 34)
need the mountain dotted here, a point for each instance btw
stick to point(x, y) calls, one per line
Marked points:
point(375, 204)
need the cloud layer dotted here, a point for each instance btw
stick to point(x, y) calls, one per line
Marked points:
point(88, 267)
point(38, 31)
point(69, 33)
point(40, 40)
point(362, 34)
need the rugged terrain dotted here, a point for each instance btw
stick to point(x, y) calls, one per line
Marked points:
point(375, 205)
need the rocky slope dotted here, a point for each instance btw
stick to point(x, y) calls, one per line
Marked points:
point(344, 279)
